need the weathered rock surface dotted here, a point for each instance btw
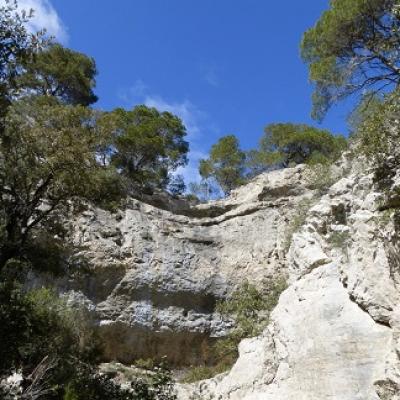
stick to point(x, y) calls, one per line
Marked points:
point(156, 274)
point(335, 332)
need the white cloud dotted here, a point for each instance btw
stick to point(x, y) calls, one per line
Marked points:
point(185, 110)
point(211, 78)
point(135, 93)
point(44, 17)
point(190, 172)
point(210, 74)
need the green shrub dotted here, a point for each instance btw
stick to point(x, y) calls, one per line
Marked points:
point(147, 363)
point(320, 177)
point(250, 309)
point(88, 384)
point(298, 219)
point(33, 326)
point(202, 372)
point(377, 133)
point(339, 240)
point(38, 328)
point(15, 321)
point(385, 217)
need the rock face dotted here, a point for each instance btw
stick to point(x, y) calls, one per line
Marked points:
point(335, 332)
point(156, 275)
point(157, 271)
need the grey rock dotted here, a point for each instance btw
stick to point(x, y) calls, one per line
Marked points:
point(156, 275)
point(335, 333)
point(157, 271)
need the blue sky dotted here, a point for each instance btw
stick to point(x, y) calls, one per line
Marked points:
point(224, 66)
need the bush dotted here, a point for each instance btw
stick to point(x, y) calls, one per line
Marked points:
point(54, 348)
point(202, 372)
point(377, 135)
point(298, 219)
point(339, 240)
point(88, 384)
point(320, 177)
point(40, 334)
point(250, 308)
point(15, 321)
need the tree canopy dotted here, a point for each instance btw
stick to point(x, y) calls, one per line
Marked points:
point(286, 143)
point(353, 47)
point(17, 45)
point(148, 145)
point(225, 163)
point(60, 72)
point(48, 156)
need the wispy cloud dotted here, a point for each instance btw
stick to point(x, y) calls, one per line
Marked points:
point(210, 74)
point(211, 77)
point(185, 110)
point(44, 17)
point(190, 172)
point(134, 93)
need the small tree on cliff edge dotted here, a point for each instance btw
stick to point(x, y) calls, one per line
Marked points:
point(225, 164)
point(148, 145)
point(287, 144)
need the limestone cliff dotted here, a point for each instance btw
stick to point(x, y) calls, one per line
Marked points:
point(335, 332)
point(157, 271)
point(155, 275)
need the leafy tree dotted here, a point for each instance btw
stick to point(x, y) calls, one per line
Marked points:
point(377, 135)
point(16, 46)
point(352, 48)
point(54, 152)
point(148, 145)
point(367, 106)
point(60, 72)
point(257, 162)
point(225, 164)
point(47, 157)
point(285, 144)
